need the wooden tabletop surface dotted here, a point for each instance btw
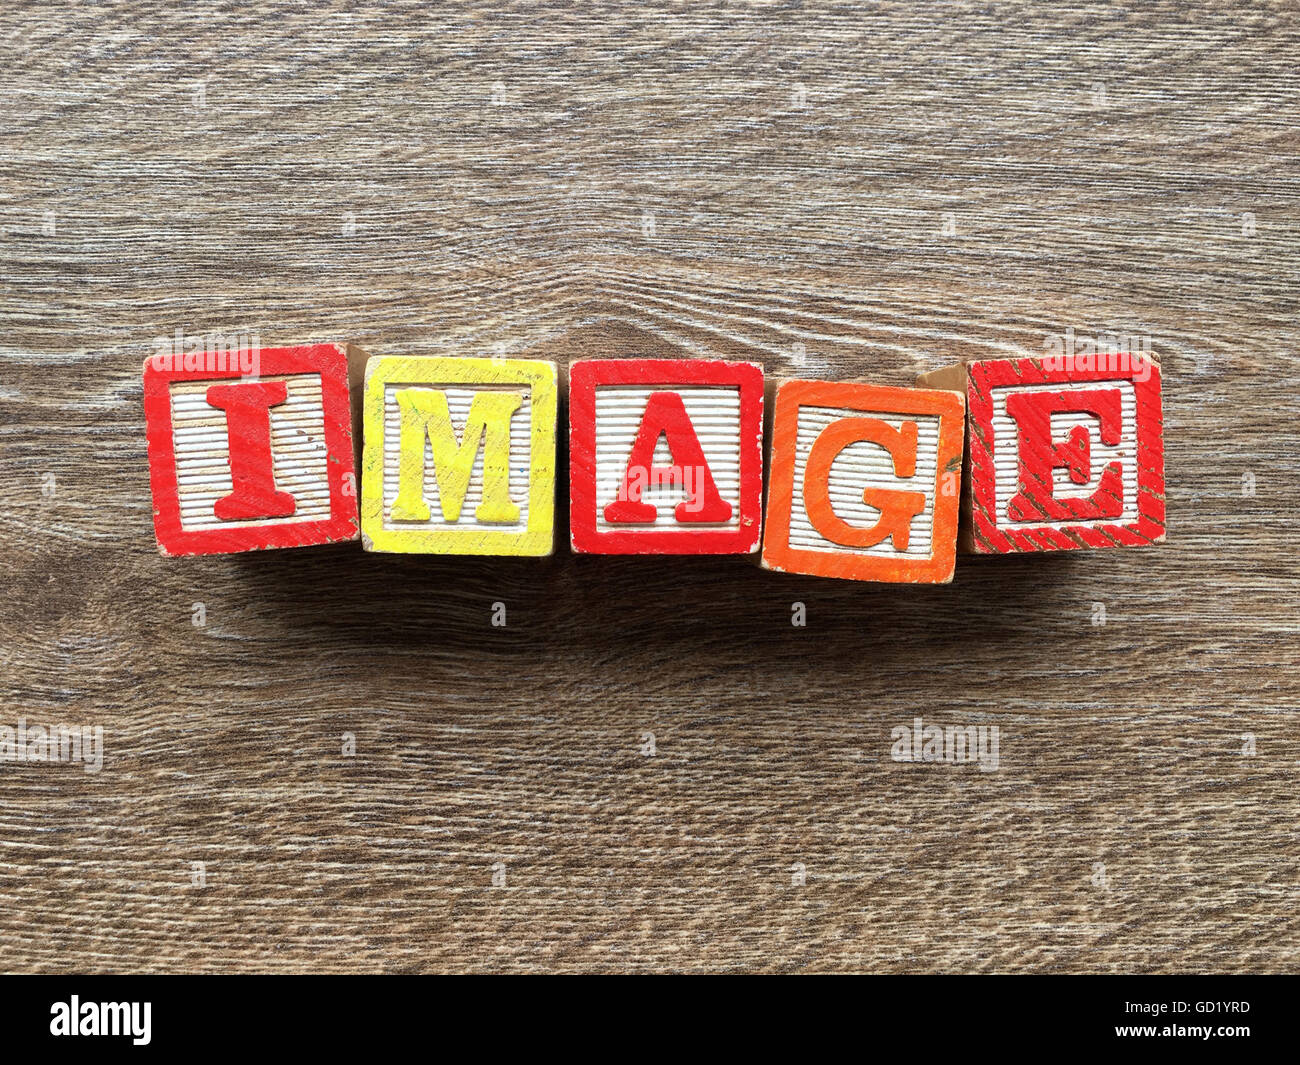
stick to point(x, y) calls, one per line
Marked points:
point(649, 767)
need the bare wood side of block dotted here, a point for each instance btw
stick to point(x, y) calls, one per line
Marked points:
point(357, 359)
point(954, 379)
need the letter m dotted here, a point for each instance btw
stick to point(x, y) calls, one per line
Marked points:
point(425, 415)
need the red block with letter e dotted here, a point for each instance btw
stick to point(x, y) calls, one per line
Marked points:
point(250, 450)
point(1064, 453)
point(665, 456)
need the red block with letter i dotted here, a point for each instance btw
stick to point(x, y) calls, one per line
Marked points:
point(250, 449)
point(1063, 453)
point(665, 456)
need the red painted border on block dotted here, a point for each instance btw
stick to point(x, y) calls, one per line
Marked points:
point(584, 378)
point(989, 537)
point(331, 363)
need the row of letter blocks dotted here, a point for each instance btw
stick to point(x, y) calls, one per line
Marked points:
point(865, 481)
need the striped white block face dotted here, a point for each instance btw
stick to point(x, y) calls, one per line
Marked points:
point(1006, 452)
point(863, 465)
point(459, 398)
point(298, 451)
point(715, 416)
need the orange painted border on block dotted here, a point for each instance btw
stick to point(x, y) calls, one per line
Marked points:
point(854, 399)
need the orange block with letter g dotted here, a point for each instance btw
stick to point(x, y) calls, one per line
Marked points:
point(865, 482)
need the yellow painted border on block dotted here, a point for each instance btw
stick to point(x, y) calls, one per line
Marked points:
point(538, 537)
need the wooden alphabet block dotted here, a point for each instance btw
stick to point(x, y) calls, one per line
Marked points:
point(459, 456)
point(864, 482)
point(250, 449)
point(1065, 452)
point(665, 456)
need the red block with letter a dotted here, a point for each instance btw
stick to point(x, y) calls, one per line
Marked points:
point(1064, 453)
point(250, 449)
point(665, 456)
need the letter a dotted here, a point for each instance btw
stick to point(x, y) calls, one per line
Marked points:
point(665, 415)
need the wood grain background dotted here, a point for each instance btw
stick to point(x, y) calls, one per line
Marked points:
point(891, 187)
